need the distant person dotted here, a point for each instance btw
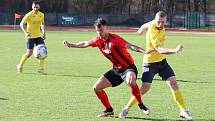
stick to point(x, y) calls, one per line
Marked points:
point(156, 63)
point(114, 48)
point(33, 27)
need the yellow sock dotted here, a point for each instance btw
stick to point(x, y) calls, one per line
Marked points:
point(41, 63)
point(178, 99)
point(131, 102)
point(23, 59)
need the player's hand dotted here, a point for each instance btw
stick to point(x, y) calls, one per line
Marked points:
point(139, 31)
point(66, 43)
point(178, 48)
point(44, 36)
point(27, 35)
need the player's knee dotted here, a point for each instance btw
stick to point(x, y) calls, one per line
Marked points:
point(95, 88)
point(132, 83)
point(131, 79)
point(29, 54)
point(174, 85)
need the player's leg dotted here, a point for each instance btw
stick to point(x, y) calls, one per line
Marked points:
point(172, 83)
point(168, 74)
point(41, 66)
point(25, 56)
point(110, 78)
point(147, 76)
point(143, 90)
point(98, 87)
point(41, 62)
point(131, 81)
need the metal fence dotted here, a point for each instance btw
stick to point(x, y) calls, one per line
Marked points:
point(188, 20)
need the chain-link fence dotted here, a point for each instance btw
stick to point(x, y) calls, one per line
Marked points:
point(188, 20)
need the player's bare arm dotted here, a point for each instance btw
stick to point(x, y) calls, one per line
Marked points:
point(168, 51)
point(82, 44)
point(43, 31)
point(135, 48)
point(143, 28)
point(24, 29)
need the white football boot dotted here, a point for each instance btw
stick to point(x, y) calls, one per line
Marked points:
point(123, 113)
point(19, 68)
point(185, 114)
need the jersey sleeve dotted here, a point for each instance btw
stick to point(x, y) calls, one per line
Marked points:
point(25, 19)
point(93, 42)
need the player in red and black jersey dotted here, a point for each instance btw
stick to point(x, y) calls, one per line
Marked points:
point(114, 48)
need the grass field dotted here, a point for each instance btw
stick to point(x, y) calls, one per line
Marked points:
point(65, 93)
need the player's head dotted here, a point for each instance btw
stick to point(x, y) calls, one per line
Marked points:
point(160, 19)
point(101, 27)
point(35, 6)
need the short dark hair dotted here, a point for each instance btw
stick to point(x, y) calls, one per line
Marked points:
point(161, 14)
point(100, 22)
point(36, 2)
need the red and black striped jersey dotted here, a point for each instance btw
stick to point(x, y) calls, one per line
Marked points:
point(114, 49)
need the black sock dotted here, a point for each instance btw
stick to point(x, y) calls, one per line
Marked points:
point(110, 109)
point(142, 106)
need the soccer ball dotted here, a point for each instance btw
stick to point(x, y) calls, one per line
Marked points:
point(40, 51)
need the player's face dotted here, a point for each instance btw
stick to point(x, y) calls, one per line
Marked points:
point(101, 31)
point(160, 22)
point(35, 7)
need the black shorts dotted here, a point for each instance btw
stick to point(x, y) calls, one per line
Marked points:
point(34, 41)
point(162, 68)
point(117, 76)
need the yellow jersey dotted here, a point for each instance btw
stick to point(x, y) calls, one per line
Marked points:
point(154, 37)
point(34, 22)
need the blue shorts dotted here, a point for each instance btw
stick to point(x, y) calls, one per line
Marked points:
point(117, 76)
point(34, 41)
point(162, 68)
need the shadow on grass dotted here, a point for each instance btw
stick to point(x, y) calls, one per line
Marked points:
point(96, 77)
point(153, 119)
point(1, 98)
point(184, 81)
point(69, 75)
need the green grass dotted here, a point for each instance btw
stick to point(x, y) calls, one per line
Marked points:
point(65, 93)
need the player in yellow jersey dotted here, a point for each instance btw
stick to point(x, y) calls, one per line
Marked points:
point(156, 63)
point(33, 27)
